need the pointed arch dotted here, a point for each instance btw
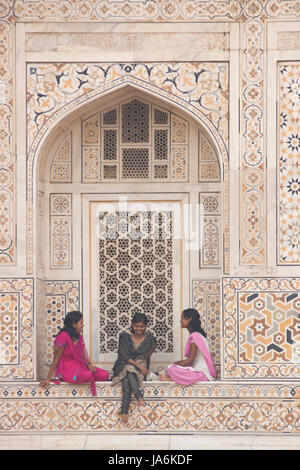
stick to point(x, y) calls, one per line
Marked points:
point(73, 108)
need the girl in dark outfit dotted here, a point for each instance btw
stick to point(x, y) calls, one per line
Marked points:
point(132, 364)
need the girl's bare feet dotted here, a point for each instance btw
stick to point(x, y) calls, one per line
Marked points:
point(163, 377)
point(141, 402)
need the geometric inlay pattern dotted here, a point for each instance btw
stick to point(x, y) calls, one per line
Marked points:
point(206, 299)
point(289, 164)
point(206, 407)
point(9, 320)
point(16, 328)
point(61, 298)
point(135, 275)
point(261, 328)
point(269, 326)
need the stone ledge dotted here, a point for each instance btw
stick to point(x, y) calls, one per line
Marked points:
point(156, 390)
point(211, 407)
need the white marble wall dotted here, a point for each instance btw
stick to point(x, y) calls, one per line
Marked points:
point(252, 38)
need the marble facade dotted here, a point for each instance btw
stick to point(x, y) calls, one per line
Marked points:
point(220, 80)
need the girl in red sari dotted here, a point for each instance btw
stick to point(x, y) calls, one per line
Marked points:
point(71, 362)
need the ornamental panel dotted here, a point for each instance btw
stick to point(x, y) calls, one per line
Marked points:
point(261, 328)
point(16, 334)
point(68, 86)
point(210, 230)
point(60, 230)
point(59, 298)
point(288, 209)
point(138, 137)
point(206, 299)
point(61, 167)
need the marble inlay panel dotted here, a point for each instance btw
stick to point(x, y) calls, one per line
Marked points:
point(52, 86)
point(61, 167)
point(61, 297)
point(261, 328)
point(16, 329)
point(203, 408)
point(288, 207)
point(210, 230)
point(61, 230)
point(9, 321)
point(206, 299)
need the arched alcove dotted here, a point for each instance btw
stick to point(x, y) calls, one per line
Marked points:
point(77, 178)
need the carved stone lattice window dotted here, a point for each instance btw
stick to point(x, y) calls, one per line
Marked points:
point(135, 275)
point(135, 163)
point(161, 146)
point(134, 141)
point(135, 122)
point(110, 144)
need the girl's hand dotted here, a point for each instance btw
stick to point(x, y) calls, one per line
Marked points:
point(45, 383)
point(143, 370)
point(91, 367)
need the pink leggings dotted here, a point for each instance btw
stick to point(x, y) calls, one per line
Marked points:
point(83, 376)
point(86, 376)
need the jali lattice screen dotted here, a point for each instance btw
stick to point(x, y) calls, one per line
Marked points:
point(134, 141)
point(135, 275)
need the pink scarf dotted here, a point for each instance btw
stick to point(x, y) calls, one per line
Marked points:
point(198, 339)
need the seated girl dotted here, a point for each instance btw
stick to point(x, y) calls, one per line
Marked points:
point(71, 362)
point(132, 364)
point(198, 366)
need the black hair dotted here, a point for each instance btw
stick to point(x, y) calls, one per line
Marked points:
point(139, 317)
point(70, 319)
point(195, 324)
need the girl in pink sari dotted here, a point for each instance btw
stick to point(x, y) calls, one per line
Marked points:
point(198, 365)
point(71, 362)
